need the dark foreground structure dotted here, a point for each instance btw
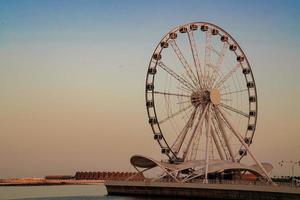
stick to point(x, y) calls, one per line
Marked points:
point(203, 191)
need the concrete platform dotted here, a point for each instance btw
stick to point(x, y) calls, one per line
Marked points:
point(200, 190)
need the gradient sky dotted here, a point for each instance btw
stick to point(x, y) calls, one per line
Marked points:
point(72, 79)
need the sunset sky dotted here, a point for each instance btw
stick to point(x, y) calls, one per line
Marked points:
point(72, 78)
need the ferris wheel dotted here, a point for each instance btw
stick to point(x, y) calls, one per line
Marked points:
point(201, 96)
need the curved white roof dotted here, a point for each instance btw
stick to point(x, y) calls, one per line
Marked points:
point(214, 165)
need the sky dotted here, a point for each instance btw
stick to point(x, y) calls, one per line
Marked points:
point(72, 77)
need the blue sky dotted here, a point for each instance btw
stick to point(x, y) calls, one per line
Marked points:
point(69, 18)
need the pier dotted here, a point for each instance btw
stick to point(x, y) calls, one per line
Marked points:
point(212, 190)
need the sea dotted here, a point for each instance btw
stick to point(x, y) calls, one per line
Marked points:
point(62, 192)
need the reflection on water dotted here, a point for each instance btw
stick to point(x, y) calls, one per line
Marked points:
point(91, 198)
point(97, 198)
point(65, 198)
point(53, 192)
point(64, 192)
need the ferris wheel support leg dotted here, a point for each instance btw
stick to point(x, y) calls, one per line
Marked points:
point(193, 135)
point(179, 140)
point(222, 129)
point(207, 145)
point(216, 141)
point(240, 138)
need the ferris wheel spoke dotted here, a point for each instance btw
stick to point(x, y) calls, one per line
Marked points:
point(219, 63)
point(213, 67)
point(176, 76)
point(184, 62)
point(181, 136)
point(184, 89)
point(171, 94)
point(224, 87)
point(220, 124)
point(214, 50)
point(222, 99)
point(167, 103)
point(234, 92)
point(207, 57)
point(183, 102)
point(187, 114)
point(228, 75)
point(196, 59)
point(226, 111)
point(174, 114)
point(234, 110)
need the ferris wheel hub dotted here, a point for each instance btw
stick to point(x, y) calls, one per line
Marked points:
point(215, 96)
point(200, 98)
point(205, 97)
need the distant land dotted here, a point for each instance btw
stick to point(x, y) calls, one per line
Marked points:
point(44, 181)
point(80, 178)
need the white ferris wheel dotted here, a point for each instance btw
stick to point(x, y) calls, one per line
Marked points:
point(201, 101)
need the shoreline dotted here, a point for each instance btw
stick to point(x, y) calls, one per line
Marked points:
point(46, 182)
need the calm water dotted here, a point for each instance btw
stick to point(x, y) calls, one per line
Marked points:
point(66, 192)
